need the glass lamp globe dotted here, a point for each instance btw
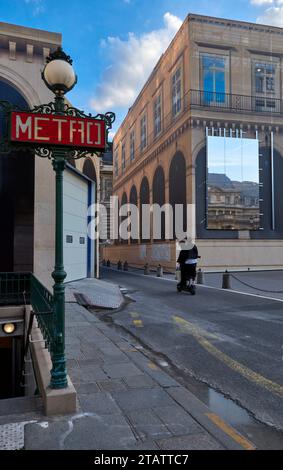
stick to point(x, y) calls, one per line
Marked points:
point(9, 328)
point(59, 76)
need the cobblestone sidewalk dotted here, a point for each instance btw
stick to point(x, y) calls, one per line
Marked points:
point(124, 400)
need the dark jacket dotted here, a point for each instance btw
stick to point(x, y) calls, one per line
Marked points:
point(187, 254)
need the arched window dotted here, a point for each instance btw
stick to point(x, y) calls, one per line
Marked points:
point(124, 201)
point(144, 214)
point(89, 170)
point(134, 217)
point(158, 197)
point(177, 189)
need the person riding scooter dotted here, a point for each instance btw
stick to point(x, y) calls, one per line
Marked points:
point(188, 259)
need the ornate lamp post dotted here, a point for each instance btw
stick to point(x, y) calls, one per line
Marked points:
point(59, 76)
point(59, 132)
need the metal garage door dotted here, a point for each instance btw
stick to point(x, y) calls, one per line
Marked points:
point(75, 226)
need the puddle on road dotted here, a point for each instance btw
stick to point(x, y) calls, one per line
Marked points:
point(263, 436)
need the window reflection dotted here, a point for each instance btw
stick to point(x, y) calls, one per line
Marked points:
point(232, 183)
point(214, 78)
point(265, 86)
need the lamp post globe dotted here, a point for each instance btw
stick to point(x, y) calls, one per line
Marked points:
point(58, 73)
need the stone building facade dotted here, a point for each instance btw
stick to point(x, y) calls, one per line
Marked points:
point(219, 78)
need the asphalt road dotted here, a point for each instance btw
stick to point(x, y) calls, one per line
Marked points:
point(231, 342)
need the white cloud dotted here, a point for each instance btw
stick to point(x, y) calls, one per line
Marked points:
point(131, 63)
point(272, 16)
point(37, 6)
point(262, 2)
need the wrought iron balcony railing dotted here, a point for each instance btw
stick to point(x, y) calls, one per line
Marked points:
point(235, 103)
point(220, 102)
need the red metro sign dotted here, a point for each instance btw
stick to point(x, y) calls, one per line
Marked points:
point(54, 129)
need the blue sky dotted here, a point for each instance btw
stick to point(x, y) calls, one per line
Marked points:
point(116, 43)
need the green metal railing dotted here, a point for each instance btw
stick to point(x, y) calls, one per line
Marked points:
point(41, 301)
point(26, 289)
point(15, 288)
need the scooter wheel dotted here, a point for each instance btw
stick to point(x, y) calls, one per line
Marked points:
point(193, 290)
point(179, 288)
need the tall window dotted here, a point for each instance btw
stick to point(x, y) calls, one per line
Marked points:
point(132, 146)
point(123, 158)
point(265, 85)
point(214, 78)
point(264, 78)
point(116, 157)
point(143, 133)
point(157, 115)
point(176, 92)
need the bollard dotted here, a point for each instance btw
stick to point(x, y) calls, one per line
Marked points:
point(199, 276)
point(126, 266)
point(146, 269)
point(226, 280)
point(103, 262)
point(159, 271)
point(119, 265)
point(108, 264)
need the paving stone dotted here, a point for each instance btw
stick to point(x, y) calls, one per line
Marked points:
point(110, 350)
point(155, 372)
point(139, 381)
point(96, 342)
point(96, 433)
point(72, 340)
point(117, 371)
point(110, 334)
point(163, 379)
point(20, 405)
point(158, 375)
point(87, 388)
point(82, 324)
point(139, 399)
point(93, 372)
point(99, 293)
point(46, 435)
point(114, 385)
point(74, 354)
point(77, 376)
point(92, 358)
point(202, 441)
point(84, 375)
point(99, 403)
point(72, 364)
point(177, 420)
point(144, 445)
point(148, 425)
point(114, 358)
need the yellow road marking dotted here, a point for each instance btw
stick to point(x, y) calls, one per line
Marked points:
point(249, 374)
point(153, 366)
point(186, 326)
point(138, 323)
point(230, 431)
point(129, 349)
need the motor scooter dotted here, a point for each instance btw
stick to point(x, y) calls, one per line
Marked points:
point(191, 288)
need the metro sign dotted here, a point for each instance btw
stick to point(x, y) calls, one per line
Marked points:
point(54, 129)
